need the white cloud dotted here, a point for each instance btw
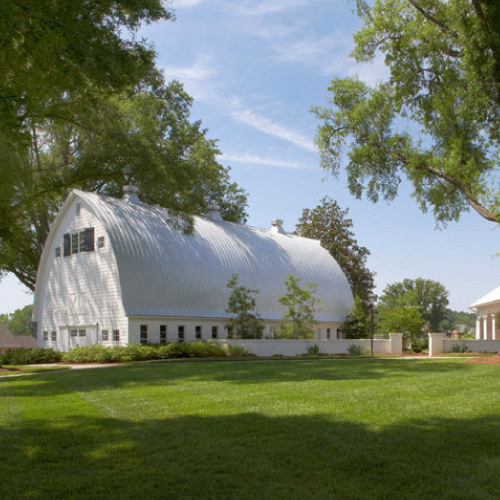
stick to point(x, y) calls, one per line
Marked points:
point(258, 160)
point(200, 70)
point(268, 7)
point(267, 126)
point(185, 3)
point(328, 54)
point(371, 73)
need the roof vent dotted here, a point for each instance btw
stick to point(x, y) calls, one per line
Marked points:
point(277, 226)
point(213, 213)
point(130, 194)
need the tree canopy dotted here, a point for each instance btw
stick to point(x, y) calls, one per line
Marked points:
point(82, 105)
point(330, 224)
point(428, 296)
point(435, 121)
point(357, 323)
point(56, 55)
point(18, 322)
point(407, 320)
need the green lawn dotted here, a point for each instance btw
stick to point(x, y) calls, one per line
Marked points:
point(306, 429)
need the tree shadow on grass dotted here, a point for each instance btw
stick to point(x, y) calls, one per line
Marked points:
point(265, 372)
point(249, 456)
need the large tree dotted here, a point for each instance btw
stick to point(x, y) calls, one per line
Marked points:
point(430, 297)
point(83, 106)
point(146, 139)
point(56, 55)
point(435, 121)
point(330, 224)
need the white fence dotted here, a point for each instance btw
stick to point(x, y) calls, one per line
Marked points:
point(439, 344)
point(296, 347)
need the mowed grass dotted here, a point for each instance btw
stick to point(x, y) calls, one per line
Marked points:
point(322, 429)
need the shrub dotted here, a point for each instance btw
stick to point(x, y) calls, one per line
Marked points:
point(138, 352)
point(205, 350)
point(461, 347)
point(313, 350)
point(356, 350)
point(237, 351)
point(32, 356)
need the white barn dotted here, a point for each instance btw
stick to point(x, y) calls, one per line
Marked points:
point(116, 271)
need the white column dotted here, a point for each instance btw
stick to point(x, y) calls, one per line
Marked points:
point(396, 344)
point(485, 327)
point(478, 327)
point(435, 344)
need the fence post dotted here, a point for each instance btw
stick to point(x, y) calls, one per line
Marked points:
point(435, 344)
point(396, 344)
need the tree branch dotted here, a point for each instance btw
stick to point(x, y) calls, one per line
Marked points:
point(471, 200)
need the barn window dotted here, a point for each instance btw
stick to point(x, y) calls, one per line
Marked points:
point(144, 334)
point(100, 242)
point(67, 244)
point(82, 333)
point(87, 240)
point(105, 335)
point(215, 331)
point(180, 332)
point(73, 333)
point(116, 335)
point(83, 242)
point(74, 243)
point(328, 333)
point(53, 336)
point(46, 336)
point(58, 251)
point(198, 332)
point(163, 334)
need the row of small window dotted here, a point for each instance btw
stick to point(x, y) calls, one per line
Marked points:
point(82, 333)
point(180, 333)
point(53, 336)
point(82, 241)
point(115, 335)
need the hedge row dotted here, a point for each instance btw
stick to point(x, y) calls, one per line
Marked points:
point(33, 356)
point(121, 354)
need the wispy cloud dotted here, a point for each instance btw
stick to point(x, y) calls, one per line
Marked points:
point(266, 125)
point(328, 54)
point(185, 3)
point(267, 7)
point(199, 70)
point(372, 72)
point(258, 160)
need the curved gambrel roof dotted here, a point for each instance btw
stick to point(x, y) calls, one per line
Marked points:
point(165, 272)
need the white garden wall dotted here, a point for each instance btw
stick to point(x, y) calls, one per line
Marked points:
point(439, 344)
point(295, 347)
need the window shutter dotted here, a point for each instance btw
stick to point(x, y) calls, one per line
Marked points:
point(67, 244)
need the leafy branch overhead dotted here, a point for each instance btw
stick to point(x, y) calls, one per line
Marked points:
point(435, 120)
point(82, 106)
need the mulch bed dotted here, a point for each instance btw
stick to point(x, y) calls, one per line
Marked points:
point(490, 360)
point(9, 370)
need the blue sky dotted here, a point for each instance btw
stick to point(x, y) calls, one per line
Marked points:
point(254, 69)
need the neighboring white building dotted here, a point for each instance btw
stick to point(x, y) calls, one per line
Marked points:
point(115, 272)
point(487, 323)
